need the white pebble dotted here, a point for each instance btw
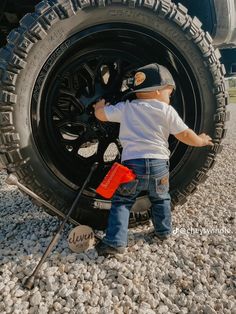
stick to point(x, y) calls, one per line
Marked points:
point(162, 309)
point(57, 306)
point(35, 299)
point(19, 293)
point(209, 310)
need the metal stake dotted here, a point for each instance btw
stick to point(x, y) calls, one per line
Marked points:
point(29, 283)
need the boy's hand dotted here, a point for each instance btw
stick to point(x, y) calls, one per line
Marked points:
point(206, 139)
point(189, 137)
point(99, 111)
point(99, 104)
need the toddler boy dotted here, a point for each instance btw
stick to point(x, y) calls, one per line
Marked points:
point(145, 125)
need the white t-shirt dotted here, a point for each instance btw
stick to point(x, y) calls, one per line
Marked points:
point(145, 126)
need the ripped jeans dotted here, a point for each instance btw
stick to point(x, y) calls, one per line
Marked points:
point(152, 176)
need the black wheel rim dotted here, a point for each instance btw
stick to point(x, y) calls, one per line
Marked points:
point(97, 63)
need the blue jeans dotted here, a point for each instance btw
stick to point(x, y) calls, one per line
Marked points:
point(152, 176)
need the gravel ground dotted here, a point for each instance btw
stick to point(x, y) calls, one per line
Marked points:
point(191, 272)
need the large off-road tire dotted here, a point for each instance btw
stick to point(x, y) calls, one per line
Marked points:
point(71, 52)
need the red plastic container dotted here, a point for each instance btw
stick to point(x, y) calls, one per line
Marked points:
point(116, 175)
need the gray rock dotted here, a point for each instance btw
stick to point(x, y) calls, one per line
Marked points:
point(182, 300)
point(43, 309)
point(162, 309)
point(57, 306)
point(36, 298)
point(63, 292)
point(19, 293)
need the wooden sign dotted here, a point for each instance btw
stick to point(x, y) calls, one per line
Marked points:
point(81, 238)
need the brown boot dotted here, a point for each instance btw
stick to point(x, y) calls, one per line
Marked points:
point(104, 249)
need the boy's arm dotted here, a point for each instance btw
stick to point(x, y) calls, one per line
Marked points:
point(189, 137)
point(182, 132)
point(111, 113)
point(99, 110)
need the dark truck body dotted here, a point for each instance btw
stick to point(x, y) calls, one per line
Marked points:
point(218, 18)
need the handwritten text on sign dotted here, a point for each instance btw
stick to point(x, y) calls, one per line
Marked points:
point(81, 238)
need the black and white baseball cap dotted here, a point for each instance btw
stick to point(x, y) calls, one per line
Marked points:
point(150, 77)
